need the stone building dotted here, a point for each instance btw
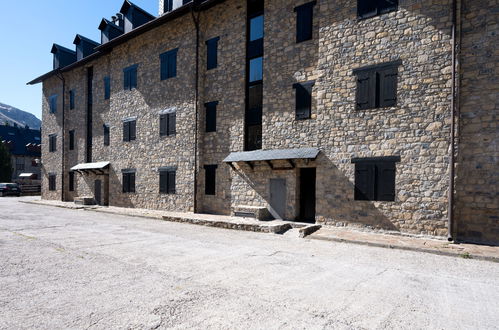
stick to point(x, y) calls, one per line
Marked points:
point(375, 114)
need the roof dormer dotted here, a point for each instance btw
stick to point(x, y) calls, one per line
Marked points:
point(62, 56)
point(110, 30)
point(84, 46)
point(134, 16)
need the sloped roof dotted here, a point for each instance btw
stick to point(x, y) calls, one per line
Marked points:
point(90, 166)
point(19, 138)
point(277, 154)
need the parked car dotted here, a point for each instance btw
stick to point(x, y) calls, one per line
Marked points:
point(7, 189)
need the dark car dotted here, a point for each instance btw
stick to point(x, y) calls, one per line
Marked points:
point(7, 189)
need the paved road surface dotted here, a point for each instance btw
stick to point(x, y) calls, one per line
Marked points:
point(64, 269)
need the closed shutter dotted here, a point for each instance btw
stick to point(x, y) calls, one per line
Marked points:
point(163, 182)
point(71, 99)
point(126, 182)
point(163, 67)
point(367, 8)
point(107, 88)
point(211, 53)
point(364, 181)
point(133, 78)
point(71, 181)
point(126, 131)
point(303, 100)
point(172, 64)
point(71, 140)
point(388, 87)
point(133, 125)
point(171, 182)
point(126, 79)
point(385, 181)
point(211, 117)
point(304, 21)
point(366, 86)
point(106, 135)
point(132, 182)
point(172, 123)
point(162, 125)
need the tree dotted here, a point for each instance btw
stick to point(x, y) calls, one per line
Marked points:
point(5, 166)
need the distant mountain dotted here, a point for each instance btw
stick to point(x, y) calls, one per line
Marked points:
point(21, 118)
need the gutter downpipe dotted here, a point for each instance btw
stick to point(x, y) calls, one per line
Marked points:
point(454, 112)
point(195, 19)
point(61, 77)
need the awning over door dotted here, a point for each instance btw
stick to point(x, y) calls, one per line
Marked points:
point(268, 156)
point(95, 168)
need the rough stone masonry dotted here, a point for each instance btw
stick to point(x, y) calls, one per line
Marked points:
point(415, 130)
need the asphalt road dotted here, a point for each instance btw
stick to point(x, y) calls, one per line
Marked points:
point(77, 269)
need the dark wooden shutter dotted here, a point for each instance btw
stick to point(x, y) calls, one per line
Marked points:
point(388, 87)
point(126, 182)
point(303, 100)
point(126, 79)
point(173, 64)
point(71, 99)
point(126, 131)
point(106, 135)
point(304, 21)
point(107, 88)
point(211, 53)
point(132, 182)
point(211, 117)
point(385, 181)
point(133, 78)
point(171, 182)
point(71, 181)
point(364, 181)
point(163, 67)
point(366, 87)
point(172, 123)
point(367, 8)
point(163, 182)
point(133, 129)
point(71, 140)
point(162, 125)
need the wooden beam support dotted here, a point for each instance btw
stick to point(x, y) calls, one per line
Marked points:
point(232, 166)
point(250, 164)
point(292, 163)
point(269, 162)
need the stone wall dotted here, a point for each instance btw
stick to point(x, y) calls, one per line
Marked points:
point(477, 184)
point(417, 129)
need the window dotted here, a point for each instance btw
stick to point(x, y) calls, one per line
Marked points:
point(256, 28)
point(303, 99)
point(128, 180)
point(167, 180)
point(304, 21)
point(210, 179)
point(53, 103)
point(211, 116)
point(375, 178)
point(71, 99)
point(377, 86)
point(167, 124)
point(130, 77)
point(370, 8)
point(168, 5)
point(71, 140)
point(52, 143)
point(107, 88)
point(106, 134)
point(71, 181)
point(256, 69)
point(212, 53)
point(168, 64)
point(129, 129)
point(52, 182)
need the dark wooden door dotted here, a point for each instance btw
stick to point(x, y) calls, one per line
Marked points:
point(98, 192)
point(307, 194)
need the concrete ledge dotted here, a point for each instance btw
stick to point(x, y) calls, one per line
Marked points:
point(257, 212)
point(419, 244)
point(305, 231)
point(264, 227)
point(84, 201)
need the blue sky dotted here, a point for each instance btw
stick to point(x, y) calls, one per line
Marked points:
point(29, 28)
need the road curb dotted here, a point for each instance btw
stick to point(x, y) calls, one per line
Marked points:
point(406, 248)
